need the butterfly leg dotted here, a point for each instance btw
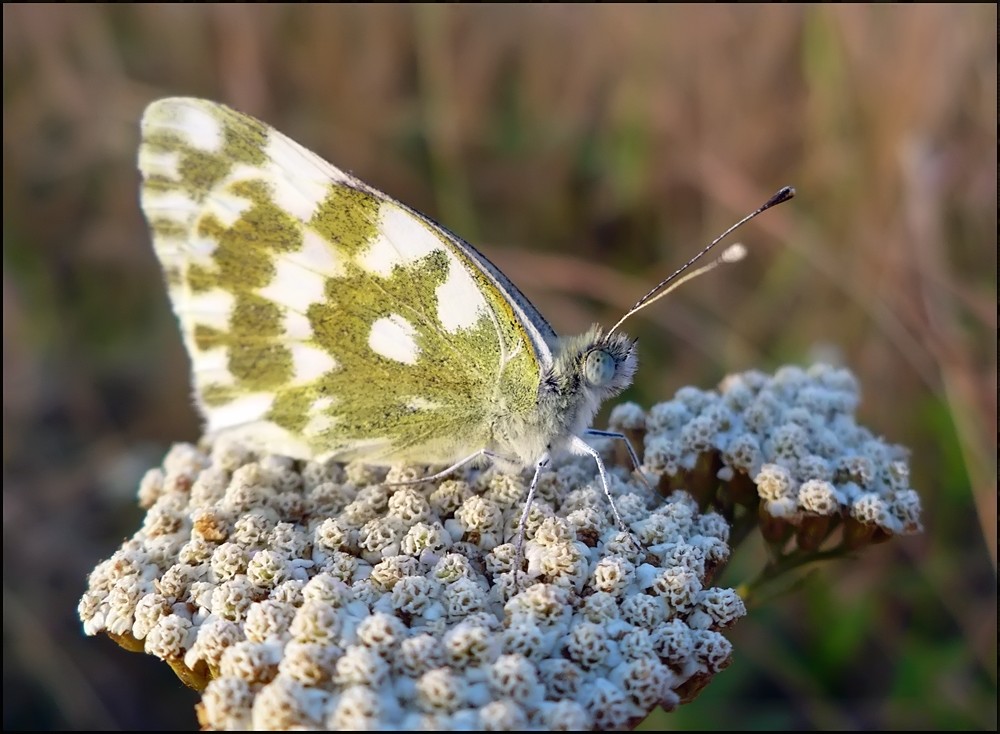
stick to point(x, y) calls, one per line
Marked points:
point(578, 446)
point(523, 525)
point(631, 451)
point(445, 472)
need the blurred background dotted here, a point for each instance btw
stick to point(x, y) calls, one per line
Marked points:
point(588, 150)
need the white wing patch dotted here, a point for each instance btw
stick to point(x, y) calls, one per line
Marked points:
point(317, 255)
point(402, 240)
point(302, 193)
point(226, 207)
point(310, 363)
point(392, 338)
point(300, 197)
point(320, 421)
point(212, 367)
point(176, 205)
point(297, 326)
point(241, 410)
point(459, 302)
point(297, 283)
point(195, 123)
point(211, 308)
point(160, 163)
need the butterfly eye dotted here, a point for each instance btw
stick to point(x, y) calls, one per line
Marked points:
point(599, 367)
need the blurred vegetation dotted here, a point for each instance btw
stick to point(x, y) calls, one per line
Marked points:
point(588, 150)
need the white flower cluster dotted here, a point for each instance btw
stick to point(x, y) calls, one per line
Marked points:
point(307, 595)
point(790, 438)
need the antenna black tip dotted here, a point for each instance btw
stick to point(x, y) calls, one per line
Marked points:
point(731, 255)
point(783, 195)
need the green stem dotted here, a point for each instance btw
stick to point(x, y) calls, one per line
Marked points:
point(782, 565)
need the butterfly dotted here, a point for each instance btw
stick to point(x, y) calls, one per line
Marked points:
point(324, 319)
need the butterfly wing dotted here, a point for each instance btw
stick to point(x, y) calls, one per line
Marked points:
point(322, 317)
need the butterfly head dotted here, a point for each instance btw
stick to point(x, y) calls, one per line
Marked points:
point(588, 369)
point(608, 363)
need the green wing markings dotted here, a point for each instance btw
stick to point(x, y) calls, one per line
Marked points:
point(223, 247)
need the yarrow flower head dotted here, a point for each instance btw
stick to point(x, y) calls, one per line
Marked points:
point(324, 596)
point(309, 595)
point(783, 452)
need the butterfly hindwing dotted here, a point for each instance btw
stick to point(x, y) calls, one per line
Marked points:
point(321, 315)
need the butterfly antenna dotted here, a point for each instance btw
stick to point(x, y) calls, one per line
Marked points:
point(734, 253)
